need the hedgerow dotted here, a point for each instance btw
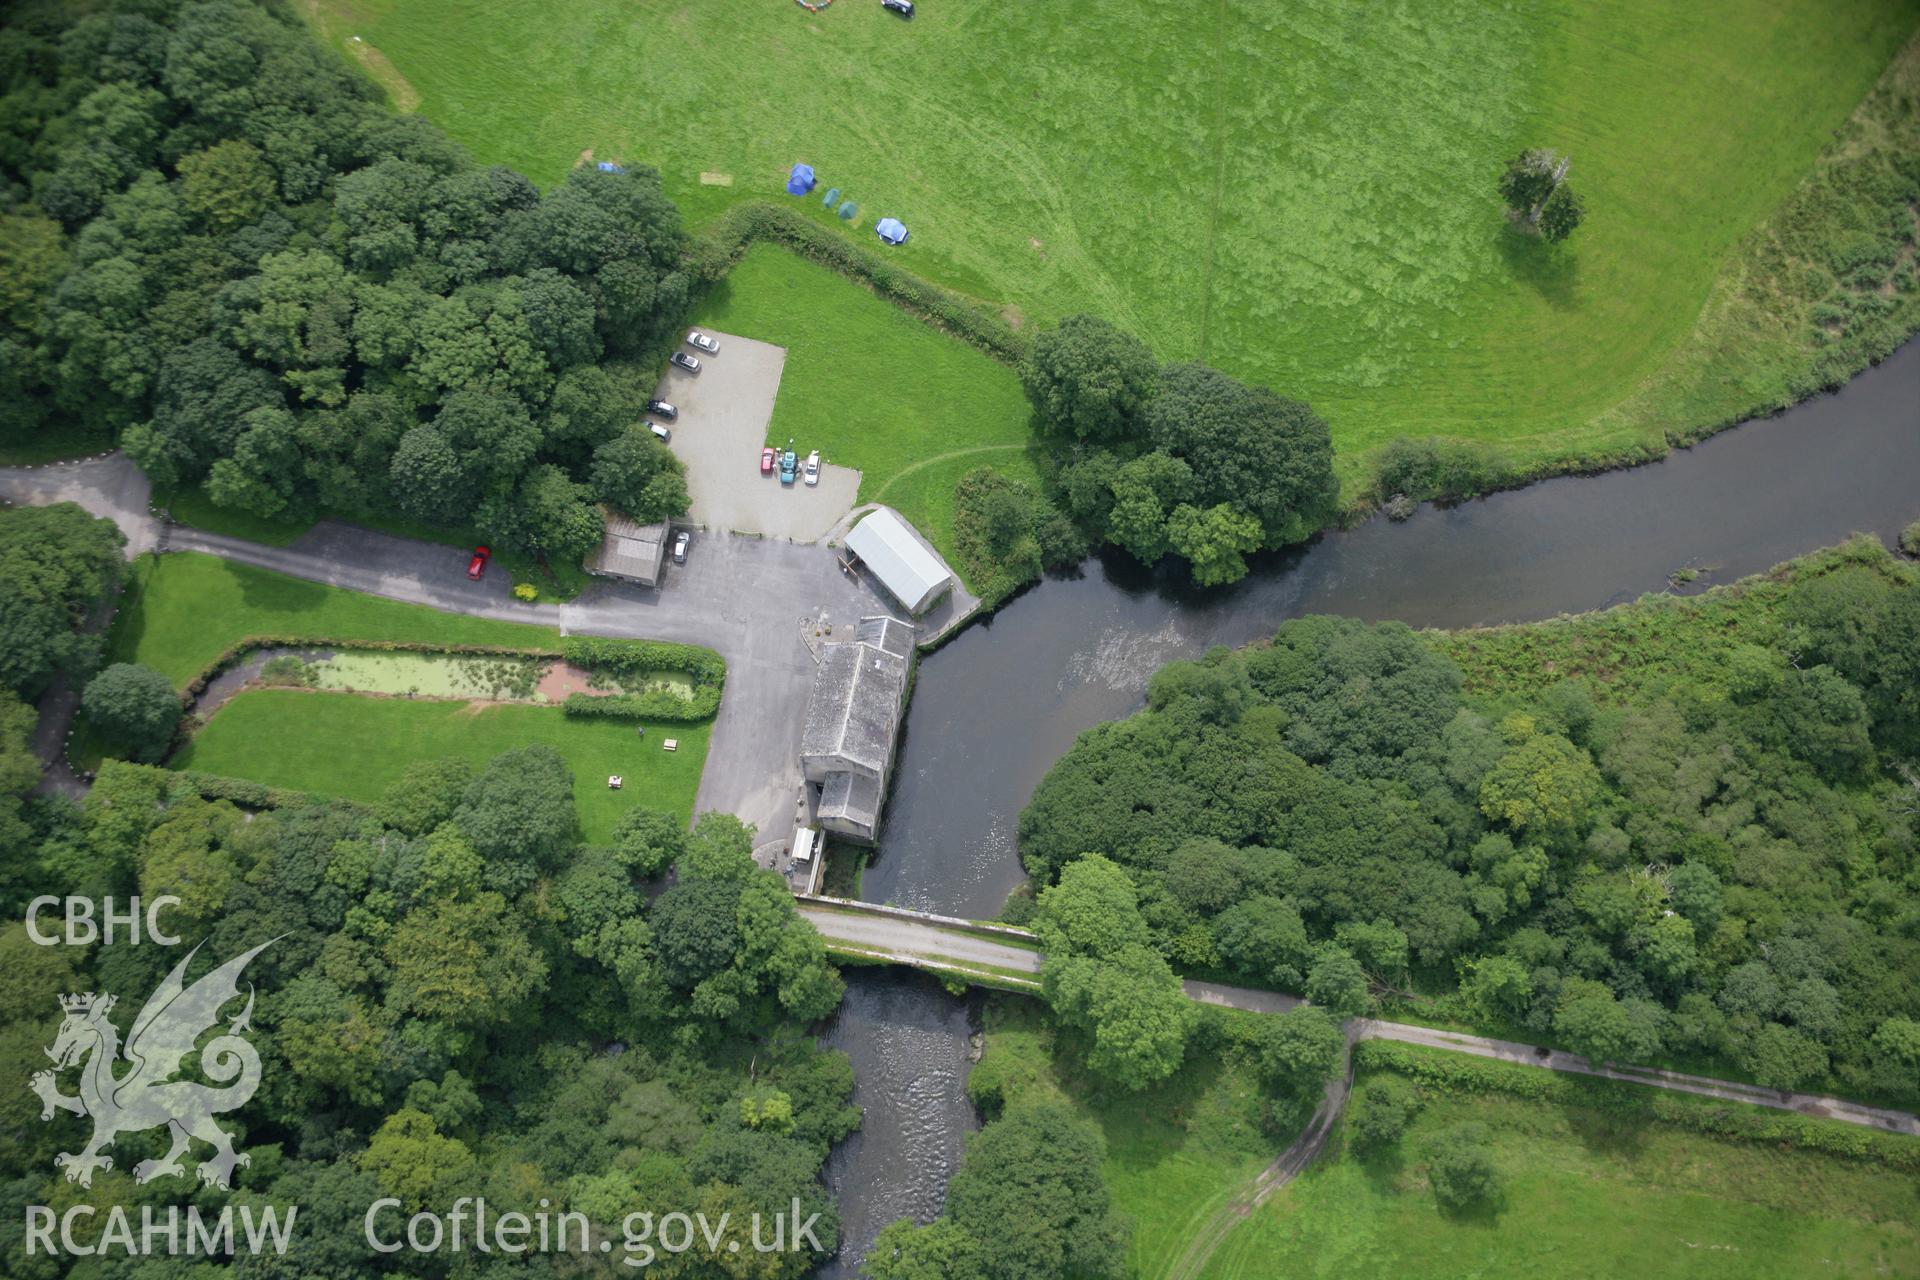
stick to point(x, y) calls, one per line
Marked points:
point(1459, 1074)
point(731, 236)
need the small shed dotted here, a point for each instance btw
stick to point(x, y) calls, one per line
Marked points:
point(905, 565)
point(800, 180)
point(629, 551)
point(892, 230)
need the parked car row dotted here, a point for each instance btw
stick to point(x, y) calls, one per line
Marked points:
point(699, 342)
point(679, 360)
point(788, 464)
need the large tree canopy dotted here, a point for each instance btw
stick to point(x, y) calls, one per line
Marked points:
point(1031, 1195)
point(1697, 847)
point(1088, 380)
point(224, 251)
point(57, 565)
point(1183, 459)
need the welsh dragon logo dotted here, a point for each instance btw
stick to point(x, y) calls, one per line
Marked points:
point(148, 1096)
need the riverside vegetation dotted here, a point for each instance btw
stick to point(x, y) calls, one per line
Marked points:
point(1678, 830)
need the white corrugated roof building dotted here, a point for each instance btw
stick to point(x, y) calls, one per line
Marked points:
point(905, 565)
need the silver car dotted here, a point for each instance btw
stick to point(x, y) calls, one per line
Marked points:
point(680, 548)
point(701, 342)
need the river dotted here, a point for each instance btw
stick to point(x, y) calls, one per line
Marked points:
point(997, 706)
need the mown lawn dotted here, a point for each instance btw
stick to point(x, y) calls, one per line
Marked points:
point(1300, 194)
point(184, 609)
point(1586, 1194)
point(354, 746)
point(1175, 1153)
point(874, 388)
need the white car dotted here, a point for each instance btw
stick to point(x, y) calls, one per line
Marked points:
point(680, 549)
point(660, 433)
point(702, 342)
point(813, 467)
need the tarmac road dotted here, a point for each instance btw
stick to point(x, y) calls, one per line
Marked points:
point(899, 935)
point(745, 598)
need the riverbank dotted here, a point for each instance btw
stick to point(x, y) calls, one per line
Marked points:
point(1003, 700)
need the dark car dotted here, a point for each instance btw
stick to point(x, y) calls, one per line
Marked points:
point(661, 409)
point(681, 360)
point(478, 565)
point(902, 7)
point(680, 549)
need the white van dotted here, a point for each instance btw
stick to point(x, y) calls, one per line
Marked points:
point(660, 433)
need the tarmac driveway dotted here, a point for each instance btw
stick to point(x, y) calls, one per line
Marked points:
point(725, 412)
point(759, 602)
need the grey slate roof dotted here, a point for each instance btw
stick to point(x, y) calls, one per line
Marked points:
point(851, 799)
point(631, 551)
point(890, 634)
point(854, 709)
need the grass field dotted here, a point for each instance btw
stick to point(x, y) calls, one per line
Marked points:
point(352, 746)
point(874, 388)
point(185, 609)
point(1587, 1193)
point(1299, 194)
point(1174, 1153)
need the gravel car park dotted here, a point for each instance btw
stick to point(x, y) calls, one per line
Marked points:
point(725, 421)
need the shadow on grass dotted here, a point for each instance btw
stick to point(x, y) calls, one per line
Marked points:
point(129, 624)
point(1608, 1133)
point(277, 593)
point(1553, 270)
point(1142, 1129)
point(1385, 1170)
point(1484, 1214)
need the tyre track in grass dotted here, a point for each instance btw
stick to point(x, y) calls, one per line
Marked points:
point(1286, 1166)
point(880, 494)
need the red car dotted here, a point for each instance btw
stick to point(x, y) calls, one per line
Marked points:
point(766, 462)
point(478, 565)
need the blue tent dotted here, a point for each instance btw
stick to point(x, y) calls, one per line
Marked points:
point(608, 166)
point(800, 181)
point(890, 230)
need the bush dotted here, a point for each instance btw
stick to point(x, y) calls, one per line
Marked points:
point(1007, 534)
point(243, 792)
point(1425, 470)
point(655, 705)
point(134, 708)
point(1910, 539)
point(1453, 1073)
point(1460, 1166)
point(617, 658)
point(1380, 1117)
